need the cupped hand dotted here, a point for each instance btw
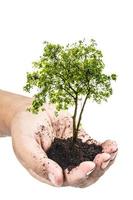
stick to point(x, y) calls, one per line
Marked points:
point(33, 134)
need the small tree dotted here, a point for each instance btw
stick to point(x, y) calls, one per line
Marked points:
point(66, 74)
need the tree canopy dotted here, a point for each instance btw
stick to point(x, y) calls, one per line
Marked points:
point(64, 74)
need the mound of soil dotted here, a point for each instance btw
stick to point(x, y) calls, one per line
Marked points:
point(68, 155)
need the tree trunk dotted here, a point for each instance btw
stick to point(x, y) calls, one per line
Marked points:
point(81, 112)
point(76, 128)
point(74, 121)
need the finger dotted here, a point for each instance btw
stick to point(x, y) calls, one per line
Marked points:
point(64, 125)
point(99, 161)
point(32, 156)
point(110, 163)
point(50, 110)
point(45, 136)
point(110, 146)
point(102, 160)
point(98, 171)
point(78, 174)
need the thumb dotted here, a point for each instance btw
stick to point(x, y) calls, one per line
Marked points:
point(51, 173)
point(35, 160)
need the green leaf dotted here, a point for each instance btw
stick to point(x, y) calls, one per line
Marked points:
point(114, 77)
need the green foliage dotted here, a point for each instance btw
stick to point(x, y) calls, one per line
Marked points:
point(64, 73)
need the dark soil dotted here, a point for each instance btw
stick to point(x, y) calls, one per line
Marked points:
point(69, 156)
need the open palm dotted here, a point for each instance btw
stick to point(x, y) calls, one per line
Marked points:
point(33, 134)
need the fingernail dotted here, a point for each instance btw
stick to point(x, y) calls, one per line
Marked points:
point(52, 178)
point(105, 164)
point(113, 156)
point(88, 173)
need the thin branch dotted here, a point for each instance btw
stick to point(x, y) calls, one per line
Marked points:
point(72, 88)
point(64, 80)
point(69, 83)
point(69, 93)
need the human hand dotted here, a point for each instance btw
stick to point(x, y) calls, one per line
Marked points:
point(32, 135)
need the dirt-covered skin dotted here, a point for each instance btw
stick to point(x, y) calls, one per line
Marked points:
point(31, 141)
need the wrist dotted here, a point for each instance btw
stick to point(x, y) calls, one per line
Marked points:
point(10, 105)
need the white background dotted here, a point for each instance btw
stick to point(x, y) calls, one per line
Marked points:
point(24, 25)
